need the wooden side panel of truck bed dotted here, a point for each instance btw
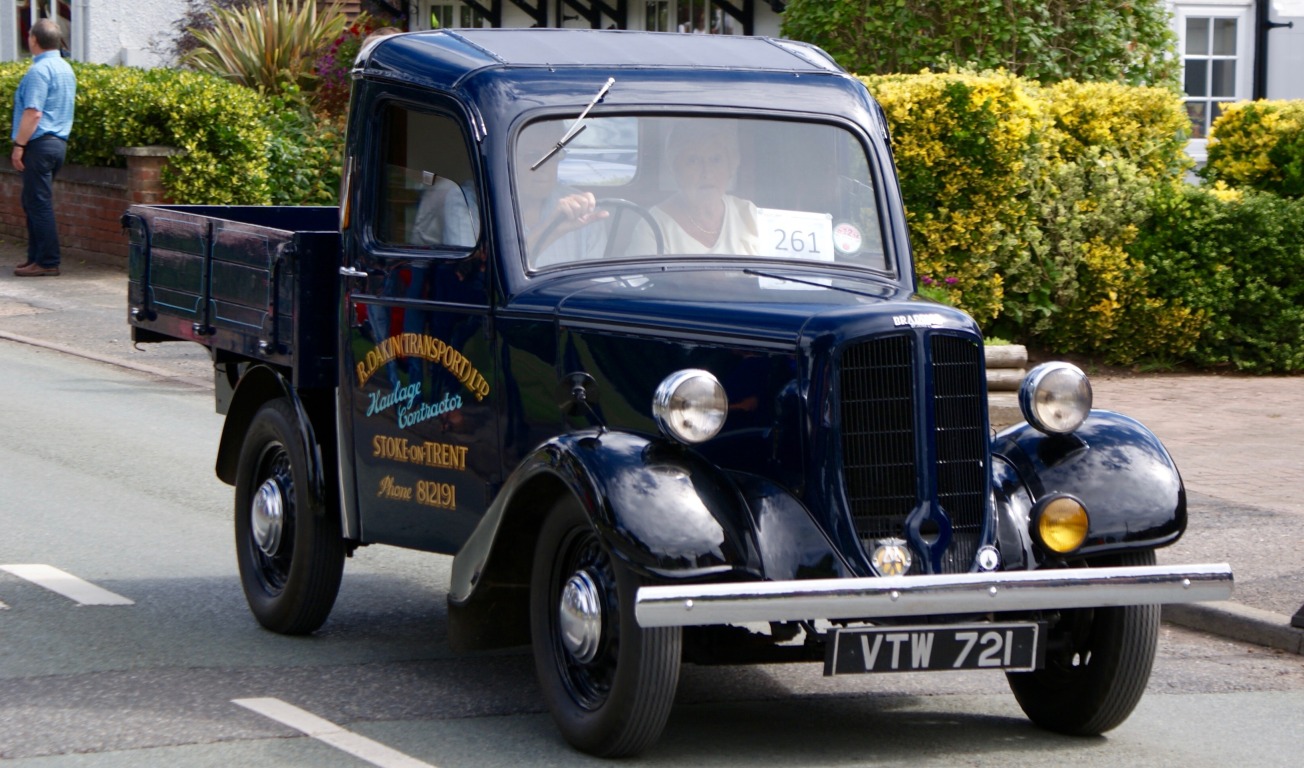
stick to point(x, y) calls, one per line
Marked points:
point(258, 282)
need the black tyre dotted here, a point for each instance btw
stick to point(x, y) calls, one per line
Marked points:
point(290, 551)
point(608, 682)
point(1097, 666)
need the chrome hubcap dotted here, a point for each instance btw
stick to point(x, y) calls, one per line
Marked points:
point(581, 617)
point(268, 517)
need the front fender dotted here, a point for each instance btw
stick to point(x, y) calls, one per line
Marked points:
point(1116, 467)
point(660, 508)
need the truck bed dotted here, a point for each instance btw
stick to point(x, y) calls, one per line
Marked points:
point(254, 282)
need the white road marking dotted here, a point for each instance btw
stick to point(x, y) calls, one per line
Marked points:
point(64, 583)
point(324, 730)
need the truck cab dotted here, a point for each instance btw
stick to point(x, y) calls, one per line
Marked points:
point(626, 323)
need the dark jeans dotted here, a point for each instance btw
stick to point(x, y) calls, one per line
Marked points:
point(41, 161)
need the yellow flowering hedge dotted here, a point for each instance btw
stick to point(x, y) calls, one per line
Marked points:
point(963, 143)
point(1260, 145)
point(1081, 290)
point(1143, 125)
point(1023, 199)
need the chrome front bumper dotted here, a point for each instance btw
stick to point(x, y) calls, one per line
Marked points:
point(897, 596)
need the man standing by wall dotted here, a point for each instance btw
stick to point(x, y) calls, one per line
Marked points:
point(43, 113)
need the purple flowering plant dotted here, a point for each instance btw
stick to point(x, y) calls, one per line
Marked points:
point(937, 288)
point(335, 61)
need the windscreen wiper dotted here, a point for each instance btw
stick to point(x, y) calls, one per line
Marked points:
point(577, 126)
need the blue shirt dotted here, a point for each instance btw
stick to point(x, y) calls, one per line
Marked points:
point(51, 87)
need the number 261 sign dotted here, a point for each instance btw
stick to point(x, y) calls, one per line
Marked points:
point(795, 234)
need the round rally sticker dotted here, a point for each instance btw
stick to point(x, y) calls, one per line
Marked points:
point(846, 238)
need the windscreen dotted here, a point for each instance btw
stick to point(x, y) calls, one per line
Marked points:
point(632, 187)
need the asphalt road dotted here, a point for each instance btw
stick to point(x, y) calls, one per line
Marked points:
point(106, 474)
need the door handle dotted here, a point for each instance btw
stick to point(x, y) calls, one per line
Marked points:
point(351, 272)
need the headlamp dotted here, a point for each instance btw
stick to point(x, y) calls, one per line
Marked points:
point(690, 406)
point(1055, 397)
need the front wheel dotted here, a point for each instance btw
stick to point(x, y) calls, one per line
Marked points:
point(290, 550)
point(608, 682)
point(1097, 666)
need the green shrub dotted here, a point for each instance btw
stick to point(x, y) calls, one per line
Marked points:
point(1081, 291)
point(304, 157)
point(240, 148)
point(1237, 259)
point(223, 132)
point(1259, 145)
point(1077, 289)
point(1044, 40)
point(1022, 201)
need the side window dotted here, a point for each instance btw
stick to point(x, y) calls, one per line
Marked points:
point(427, 187)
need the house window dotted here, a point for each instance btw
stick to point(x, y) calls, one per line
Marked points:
point(1209, 64)
point(695, 16)
point(658, 16)
point(1216, 42)
point(445, 15)
point(30, 12)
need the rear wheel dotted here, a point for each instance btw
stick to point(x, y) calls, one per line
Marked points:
point(1097, 666)
point(290, 550)
point(608, 682)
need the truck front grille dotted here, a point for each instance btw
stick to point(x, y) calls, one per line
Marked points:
point(881, 472)
point(959, 404)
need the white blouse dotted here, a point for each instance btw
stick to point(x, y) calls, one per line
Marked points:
point(738, 235)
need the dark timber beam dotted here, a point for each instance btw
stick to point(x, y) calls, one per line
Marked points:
point(537, 9)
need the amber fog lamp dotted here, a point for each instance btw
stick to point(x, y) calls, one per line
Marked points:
point(1055, 397)
point(1060, 524)
point(690, 406)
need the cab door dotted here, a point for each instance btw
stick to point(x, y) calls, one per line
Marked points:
point(418, 423)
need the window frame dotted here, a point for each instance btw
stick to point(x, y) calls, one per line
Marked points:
point(1243, 14)
point(378, 190)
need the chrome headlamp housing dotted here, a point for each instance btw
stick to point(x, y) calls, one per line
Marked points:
point(1055, 397)
point(690, 406)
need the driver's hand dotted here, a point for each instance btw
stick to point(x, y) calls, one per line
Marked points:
point(577, 211)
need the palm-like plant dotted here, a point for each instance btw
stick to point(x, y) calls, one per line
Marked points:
point(272, 46)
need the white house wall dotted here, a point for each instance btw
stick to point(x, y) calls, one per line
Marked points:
point(1286, 51)
point(104, 31)
point(121, 31)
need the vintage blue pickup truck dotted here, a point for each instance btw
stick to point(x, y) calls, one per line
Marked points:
point(626, 324)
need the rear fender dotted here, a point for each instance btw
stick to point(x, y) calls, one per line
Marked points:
point(258, 385)
point(1116, 467)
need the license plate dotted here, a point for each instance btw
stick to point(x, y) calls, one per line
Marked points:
point(1014, 647)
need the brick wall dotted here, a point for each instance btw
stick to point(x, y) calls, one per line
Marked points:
point(88, 204)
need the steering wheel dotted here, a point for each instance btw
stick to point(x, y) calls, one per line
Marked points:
point(618, 206)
